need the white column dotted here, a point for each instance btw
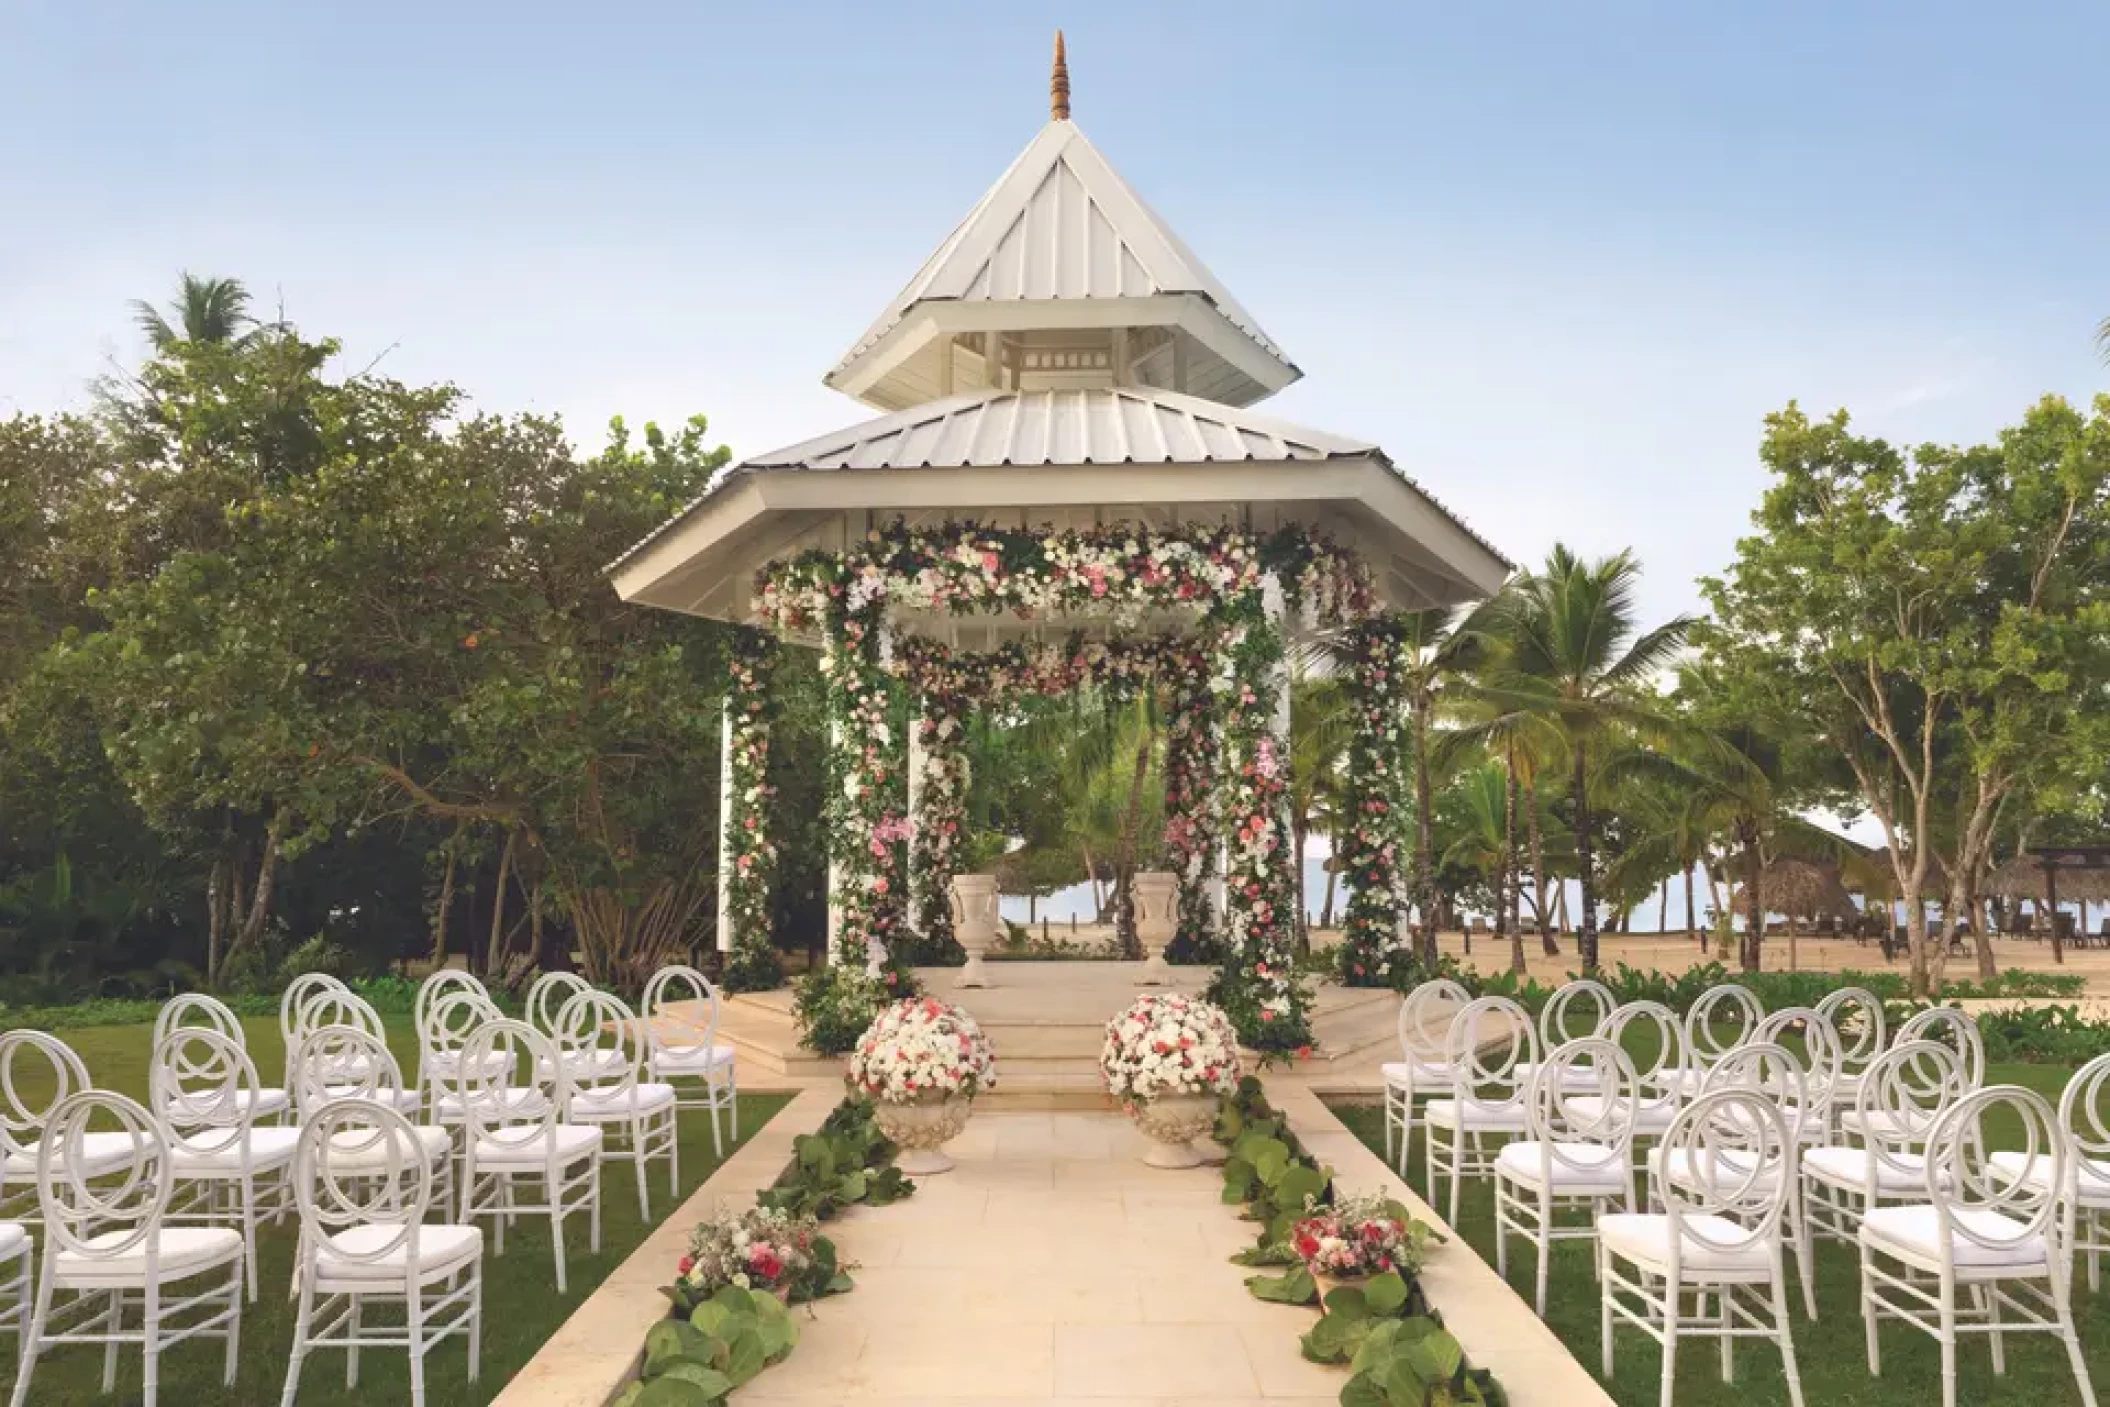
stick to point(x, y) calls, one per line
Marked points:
point(725, 826)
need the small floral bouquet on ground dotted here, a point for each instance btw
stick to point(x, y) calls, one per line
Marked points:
point(1361, 1236)
point(919, 1050)
point(760, 1249)
point(1167, 1044)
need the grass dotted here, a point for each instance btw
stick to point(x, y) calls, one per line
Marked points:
point(521, 1305)
point(1831, 1351)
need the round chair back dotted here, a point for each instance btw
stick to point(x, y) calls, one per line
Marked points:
point(680, 1010)
point(1660, 1069)
point(598, 1044)
point(1728, 1146)
point(449, 1022)
point(448, 981)
point(386, 1179)
point(340, 1063)
point(1903, 1095)
point(1955, 1028)
point(1576, 1011)
point(1857, 1019)
point(38, 1072)
point(90, 1207)
point(204, 1088)
point(197, 1009)
point(547, 996)
point(1774, 1074)
point(1821, 1055)
point(2001, 1205)
point(1425, 1018)
point(1721, 1020)
point(299, 992)
point(512, 1086)
point(2083, 1116)
point(1486, 1043)
point(1585, 1093)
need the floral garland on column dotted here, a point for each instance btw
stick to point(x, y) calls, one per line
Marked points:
point(751, 965)
point(1372, 951)
point(1193, 750)
point(940, 820)
point(1258, 985)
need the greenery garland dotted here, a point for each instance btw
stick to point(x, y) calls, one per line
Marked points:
point(1372, 951)
point(1193, 749)
point(752, 964)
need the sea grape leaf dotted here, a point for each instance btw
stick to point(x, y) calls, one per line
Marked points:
point(688, 1370)
point(1385, 1295)
point(668, 1340)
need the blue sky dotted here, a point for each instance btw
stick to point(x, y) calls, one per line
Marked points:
point(1557, 259)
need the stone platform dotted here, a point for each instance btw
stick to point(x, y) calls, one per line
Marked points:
point(1048, 1020)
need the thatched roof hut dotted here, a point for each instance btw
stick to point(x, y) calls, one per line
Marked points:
point(1801, 889)
point(2023, 878)
point(1873, 874)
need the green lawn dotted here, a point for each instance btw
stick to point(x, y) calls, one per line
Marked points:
point(521, 1305)
point(1831, 1351)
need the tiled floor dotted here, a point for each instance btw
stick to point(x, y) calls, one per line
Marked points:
point(1051, 1266)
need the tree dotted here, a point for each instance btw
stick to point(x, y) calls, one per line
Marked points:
point(1894, 604)
point(1575, 658)
point(206, 310)
point(1437, 652)
point(1319, 734)
point(1486, 807)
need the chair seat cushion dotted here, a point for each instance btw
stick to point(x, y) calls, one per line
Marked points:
point(184, 1251)
point(596, 1106)
point(449, 1063)
point(442, 1250)
point(496, 1103)
point(189, 1112)
point(1897, 1174)
point(1576, 1076)
point(14, 1239)
point(100, 1152)
point(1483, 1116)
point(355, 1149)
point(1420, 1073)
point(1644, 1239)
point(2091, 1175)
point(405, 1101)
point(596, 1064)
point(531, 1147)
point(1914, 1233)
point(1651, 1116)
point(203, 1157)
point(1690, 1171)
point(1576, 1167)
point(693, 1061)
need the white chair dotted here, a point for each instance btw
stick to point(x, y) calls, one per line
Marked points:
point(338, 1065)
point(599, 1036)
point(108, 1254)
point(547, 995)
point(1485, 1044)
point(1857, 1019)
point(365, 1187)
point(1958, 1030)
point(1576, 1011)
point(1717, 1239)
point(38, 1072)
point(505, 1150)
point(2081, 1115)
point(1567, 1159)
point(190, 1010)
point(16, 1247)
point(344, 1009)
point(1659, 1077)
point(1980, 1228)
point(1810, 1121)
point(1902, 1096)
point(1721, 1020)
point(298, 993)
point(224, 1169)
point(445, 1027)
point(1420, 1072)
point(446, 982)
point(680, 1008)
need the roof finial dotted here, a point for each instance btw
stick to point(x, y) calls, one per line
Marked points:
point(1059, 85)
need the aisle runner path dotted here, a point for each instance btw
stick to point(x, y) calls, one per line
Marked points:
point(1050, 1266)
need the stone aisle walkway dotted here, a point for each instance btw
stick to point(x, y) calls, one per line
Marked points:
point(1051, 1266)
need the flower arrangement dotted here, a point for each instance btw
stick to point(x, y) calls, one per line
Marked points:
point(751, 855)
point(919, 1049)
point(1373, 952)
point(1361, 1236)
point(760, 1249)
point(1169, 1044)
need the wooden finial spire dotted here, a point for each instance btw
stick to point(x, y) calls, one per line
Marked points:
point(1059, 85)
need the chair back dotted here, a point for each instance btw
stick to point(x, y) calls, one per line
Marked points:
point(447, 1024)
point(198, 1009)
point(343, 1063)
point(90, 1208)
point(1955, 1028)
point(1902, 1097)
point(1425, 1018)
point(1821, 1056)
point(1772, 1073)
point(1586, 1093)
point(327, 1007)
point(512, 1086)
point(203, 1087)
point(1658, 1071)
point(2087, 1123)
point(298, 993)
point(1973, 1194)
point(599, 1044)
point(1486, 1043)
point(360, 1164)
point(1857, 1020)
point(1727, 1148)
point(38, 1072)
point(680, 1008)
point(448, 981)
point(1721, 1020)
point(1576, 1011)
point(548, 995)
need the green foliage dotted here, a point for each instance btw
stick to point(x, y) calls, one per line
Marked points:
point(848, 1162)
point(837, 1002)
point(719, 1346)
point(1268, 1172)
point(1414, 1363)
point(2049, 1035)
point(1352, 1311)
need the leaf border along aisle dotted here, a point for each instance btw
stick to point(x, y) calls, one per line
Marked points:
point(752, 965)
point(1373, 951)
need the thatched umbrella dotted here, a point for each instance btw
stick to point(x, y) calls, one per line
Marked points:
point(1873, 874)
point(2023, 878)
point(1800, 889)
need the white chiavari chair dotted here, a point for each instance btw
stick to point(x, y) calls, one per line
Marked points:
point(365, 1187)
point(1420, 1073)
point(1902, 1096)
point(1858, 1021)
point(601, 1048)
point(1568, 1159)
point(1977, 1228)
point(1772, 1072)
point(445, 1027)
point(196, 1010)
point(680, 1008)
point(1576, 1011)
point(339, 1065)
point(1659, 1074)
point(343, 1009)
point(1712, 1261)
point(224, 1170)
point(1955, 1028)
point(511, 1146)
point(1487, 1040)
point(113, 1274)
point(298, 993)
point(1721, 1020)
point(38, 1072)
point(2082, 1117)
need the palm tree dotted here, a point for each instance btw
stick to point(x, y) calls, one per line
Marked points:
point(1487, 794)
point(1320, 728)
point(1438, 650)
point(206, 310)
point(1568, 628)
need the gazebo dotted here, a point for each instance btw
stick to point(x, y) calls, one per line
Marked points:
point(1067, 486)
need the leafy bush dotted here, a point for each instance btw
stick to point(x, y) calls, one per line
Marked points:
point(751, 968)
point(836, 1003)
point(318, 954)
point(2051, 1035)
point(719, 1345)
point(848, 1162)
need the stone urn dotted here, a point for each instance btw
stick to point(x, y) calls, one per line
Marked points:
point(974, 923)
point(923, 1129)
point(1172, 1122)
point(1157, 895)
